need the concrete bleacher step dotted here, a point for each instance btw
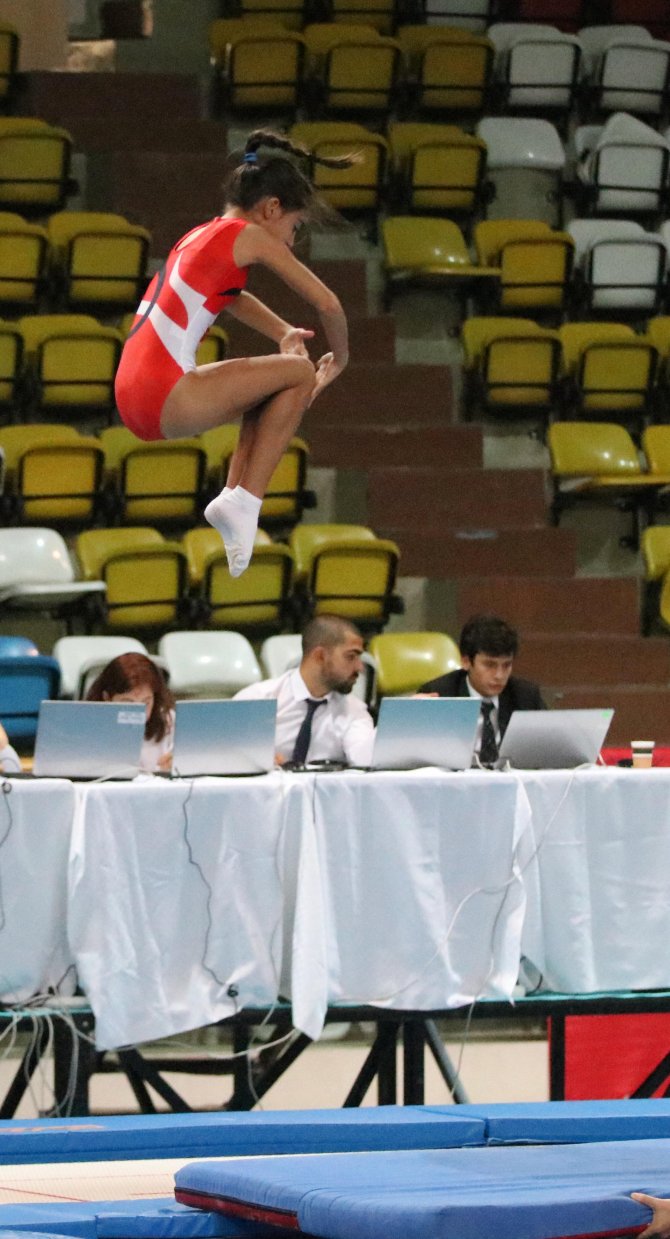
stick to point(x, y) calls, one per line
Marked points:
point(463, 499)
point(371, 395)
point(347, 277)
point(166, 194)
point(444, 555)
point(584, 659)
point(372, 338)
point(589, 605)
point(637, 709)
point(367, 447)
point(61, 97)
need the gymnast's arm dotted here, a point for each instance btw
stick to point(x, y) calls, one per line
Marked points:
point(660, 1222)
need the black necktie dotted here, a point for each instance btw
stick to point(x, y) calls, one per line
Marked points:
point(488, 750)
point(301, 746)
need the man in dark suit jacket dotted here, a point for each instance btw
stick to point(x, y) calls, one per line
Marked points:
point(488, 647)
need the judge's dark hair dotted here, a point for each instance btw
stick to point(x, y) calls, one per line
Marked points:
point(327, 630)
point(130, 671)
point(273, 167)
point(488, 634)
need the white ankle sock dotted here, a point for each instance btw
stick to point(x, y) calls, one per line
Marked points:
point(234, 513)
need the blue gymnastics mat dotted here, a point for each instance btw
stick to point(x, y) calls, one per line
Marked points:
point(125, 1219)
point(541, 1192)
point(135, 1136)
point(570, 1122)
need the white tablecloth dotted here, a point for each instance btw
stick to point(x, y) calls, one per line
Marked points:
point(35, 826)
point(186, 901)
point(598, 914)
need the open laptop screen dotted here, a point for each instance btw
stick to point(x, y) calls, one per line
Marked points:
point(223, 737)
point(425, 731)
point(554, 739)
point(89, 739)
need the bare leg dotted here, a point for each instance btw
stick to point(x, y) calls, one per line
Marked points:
point(282, 386)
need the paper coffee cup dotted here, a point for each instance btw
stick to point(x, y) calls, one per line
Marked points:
point(643, 753)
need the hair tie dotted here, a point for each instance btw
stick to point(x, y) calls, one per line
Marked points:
point(250, 157)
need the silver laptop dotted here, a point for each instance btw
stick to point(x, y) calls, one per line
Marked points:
point(89, 739)
point(224, 737)
point(554, 739)
point(425, 731)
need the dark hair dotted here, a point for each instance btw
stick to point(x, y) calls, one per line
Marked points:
point(129, 671)
point(282, 171)
point(488, 634)
point(328, 630)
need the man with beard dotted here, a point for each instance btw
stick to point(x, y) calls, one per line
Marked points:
point(317, 717)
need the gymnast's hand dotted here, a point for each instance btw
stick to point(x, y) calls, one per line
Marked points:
point(327, 369)
point(294, 341)
point(660, 1222)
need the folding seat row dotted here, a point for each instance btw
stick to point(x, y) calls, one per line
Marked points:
point(605, 268)
point(655, 548)
point(513, 367)
point(80, 259)
point(55, 474)
point(57, 365)
point(598, 462)
point(337, 67)
point(385, 15)
point(134, 579)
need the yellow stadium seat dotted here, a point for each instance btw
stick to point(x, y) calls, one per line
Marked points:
point(23, 260)
point(289, 12)
point(9, 63)
point(598, 461)
point(436, 167)
point(71, 361)
point(358, 188)
point(608, 369)
point(406, 660)
point(535, 262)
point(658, 332)
point(655, 547)
point(97, 259)
point(158, 481)
point(377, 13)
point(354, 577)
point(449, 69)
point(259, 63)
point(58, 482)
point(11, 366)
point(306, 540)
point(145, 576)
point(352, 69)
point(260, 600)
point(34, 165)
point(511, 365)
point(424, 250)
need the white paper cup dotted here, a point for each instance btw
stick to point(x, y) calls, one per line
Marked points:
point(643, 753)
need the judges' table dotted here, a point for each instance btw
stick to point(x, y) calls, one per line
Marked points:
point(35, 824)
point(192, 899)
point(598, 884)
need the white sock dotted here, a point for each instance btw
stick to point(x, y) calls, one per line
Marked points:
point(234, 513)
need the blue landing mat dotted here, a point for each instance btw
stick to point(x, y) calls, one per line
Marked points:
point(118, 1138)
point(506, 1193)
point(124, 1219)
point(570, 1122)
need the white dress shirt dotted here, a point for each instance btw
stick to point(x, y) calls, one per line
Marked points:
point(153, 750)
point(480, 721)
point(342, 729)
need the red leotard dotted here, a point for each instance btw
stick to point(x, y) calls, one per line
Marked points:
point(198, 280)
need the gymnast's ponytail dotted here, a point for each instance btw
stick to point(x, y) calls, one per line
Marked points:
point(271, 166)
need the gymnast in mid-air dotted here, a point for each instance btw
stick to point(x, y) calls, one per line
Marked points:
point(160, 391)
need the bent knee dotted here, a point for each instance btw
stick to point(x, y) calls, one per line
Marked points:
point(303, 372)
